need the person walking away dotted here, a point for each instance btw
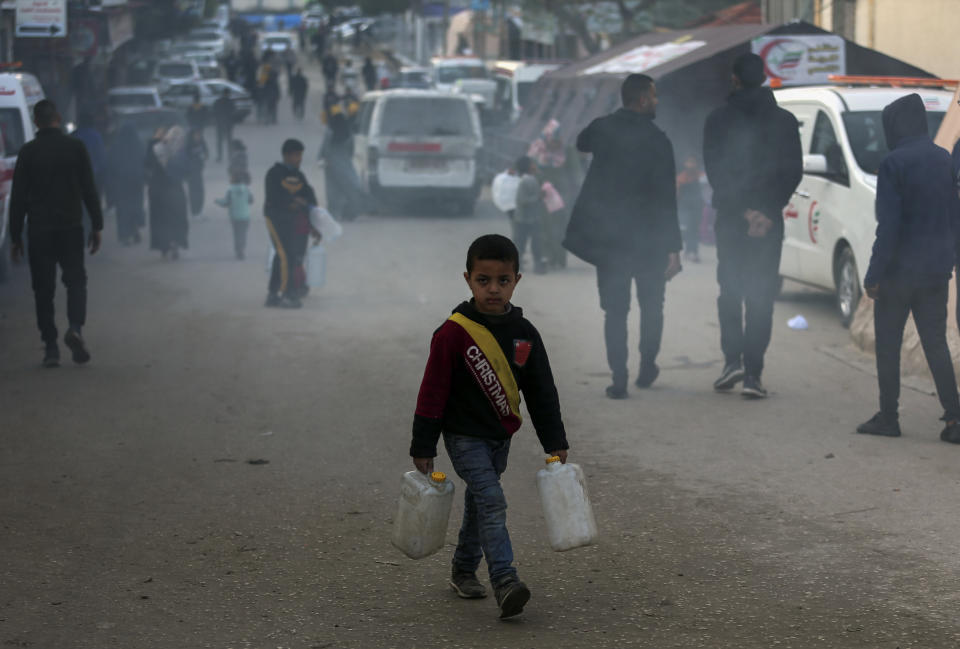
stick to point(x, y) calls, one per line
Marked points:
point(197, 155)
point(166, 170)
point(197, 114)
point(559, 166)
point(238, 164)
point(52, 182)
point(125, 180)
point(369, 72)
point(238, 201)
point(224, 116)
point(529, 213)
point(271, 90)
point(289, 198)
point(298, 92)
point(88, 133)
point(624, 222)
point(914, 253)
point(690, 207)
point(344, 194)
point(330, 68)
point(481, 360)
point(754, 162)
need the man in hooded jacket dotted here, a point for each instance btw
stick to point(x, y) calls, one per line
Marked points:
point(625, 223)
point(918, 217)
point(754, 162)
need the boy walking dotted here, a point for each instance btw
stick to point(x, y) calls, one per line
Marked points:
point(481, 359)
point(530, 213)
point(238, 201)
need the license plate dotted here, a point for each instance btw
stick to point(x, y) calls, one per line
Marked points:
point(425, 164)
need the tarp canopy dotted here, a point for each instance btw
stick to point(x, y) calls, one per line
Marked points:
point(692, 70)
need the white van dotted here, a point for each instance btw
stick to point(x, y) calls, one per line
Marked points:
point(467, 75)
point(515, 80)
point(19, 93)
point(830, 224)
point(414, 144)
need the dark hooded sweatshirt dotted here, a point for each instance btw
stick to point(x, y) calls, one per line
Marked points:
point(752, 156)
point(918, 212)
point(452, 401)
point(627, 207)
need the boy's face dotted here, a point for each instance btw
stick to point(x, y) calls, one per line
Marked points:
point(294, 159)
point(492, 283)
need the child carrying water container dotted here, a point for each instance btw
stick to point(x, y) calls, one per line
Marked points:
point(481, 359)
point(238, 201)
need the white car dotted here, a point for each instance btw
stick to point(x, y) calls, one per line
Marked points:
point(830, 224)
point(280, 43)
point(132, 99)
point(467, 75)
point(515, 80)
point(172, 72)
point(313, 18)
point(212, 40)
point(401, 156)
point(208, 64)
point(181, 95)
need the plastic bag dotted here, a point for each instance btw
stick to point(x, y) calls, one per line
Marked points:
point(504, 191)
point(316, 266)
point(552, 198)
point(323, 222)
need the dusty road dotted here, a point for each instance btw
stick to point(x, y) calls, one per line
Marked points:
point(132, 516)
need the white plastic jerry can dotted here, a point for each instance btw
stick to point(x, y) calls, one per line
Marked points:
point(420, 528)
point(566, 505)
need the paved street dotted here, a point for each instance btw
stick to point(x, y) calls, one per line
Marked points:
point(224, 475)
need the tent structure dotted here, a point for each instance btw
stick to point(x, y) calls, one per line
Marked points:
point(692, 71)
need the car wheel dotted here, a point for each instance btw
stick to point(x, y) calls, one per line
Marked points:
point(848, 286)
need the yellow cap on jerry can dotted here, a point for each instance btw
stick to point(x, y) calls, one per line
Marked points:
point(438, 476)
point(552, 459)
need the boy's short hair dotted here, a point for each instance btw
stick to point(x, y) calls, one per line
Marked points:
point(524, 164)
point(292, 146)
point(635, 87)
point(45, 113)
point(496, 247)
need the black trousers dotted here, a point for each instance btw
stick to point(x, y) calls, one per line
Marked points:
point(240, 236)
point(929, 307)
point(532, 232)
point(614, 282)
point(286, 275)
point(224, 136)
point(47, 250)
point(748, 272)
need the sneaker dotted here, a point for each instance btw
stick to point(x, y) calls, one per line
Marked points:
point(886, 426)
point(753, 388)
point(732, 374)
point(74, 341)
point(466, 585)
point(290, 302)
point(51, 356)
point(951, 432)
point(512, 596)
point(273, 300)
point(648, 374)
point(616, 392)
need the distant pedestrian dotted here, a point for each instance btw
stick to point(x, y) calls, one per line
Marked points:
point(197, 114)
point(690, 207)
point(197, 154)
point(481, 359)
point(625, 223)
point(52, 181)
point(298, 93)
point(224, 116)
point(369, 72)
point(238, 163)
point(238, 201)
point(287, 203)
point(345, 197)
point(559, 165)
point(529, 213)
point(166, 171)
point(918, 220)
point(754, 162)
point(330, 68)
point(125, 181)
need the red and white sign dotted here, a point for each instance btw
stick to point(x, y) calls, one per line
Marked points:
point(804, 59)
point(41, 18)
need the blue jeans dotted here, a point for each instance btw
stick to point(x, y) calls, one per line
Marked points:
point(479, 462)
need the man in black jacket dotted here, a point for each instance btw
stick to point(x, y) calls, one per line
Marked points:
point(918, 216)
point(624, 222)
point(52, 182)
point(754, 162)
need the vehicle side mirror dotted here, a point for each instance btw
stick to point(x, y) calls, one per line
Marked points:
point(815, 163)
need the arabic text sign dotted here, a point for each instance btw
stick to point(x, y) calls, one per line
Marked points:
point(644, 58)
point(799, 60)
point(41, 18)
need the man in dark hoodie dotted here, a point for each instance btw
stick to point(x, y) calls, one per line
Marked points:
point(624, 222)
point(754, 162)
point(918, 216)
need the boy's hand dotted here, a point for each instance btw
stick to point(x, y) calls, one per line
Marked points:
point(562, 454)
point(424, 464)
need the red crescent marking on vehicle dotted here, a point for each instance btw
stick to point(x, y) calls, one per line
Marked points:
point(791, 212)
point(810, 226)
point(766, 51)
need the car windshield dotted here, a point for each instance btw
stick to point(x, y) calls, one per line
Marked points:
point(523, 92)
point(426, 116)
point(867, 139)
point(414, 80)
point(278, 40)
point(175, 70)
point(132, 99)
point(453, 73)
point(11, 128)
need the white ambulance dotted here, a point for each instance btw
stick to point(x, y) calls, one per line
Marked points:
point(830, 222)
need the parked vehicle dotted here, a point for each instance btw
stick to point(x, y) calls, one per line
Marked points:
point(830, 223)
point(125, 99)
point(280, 43)
point(313, 18)
point(401, 156)
point(208, 64)
point(169, 73)
point(181, 95)
point(148, 120)
point(19, 93)
point(413, 77)
point(212, 40)
point(515, 80)
point(467, 75)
